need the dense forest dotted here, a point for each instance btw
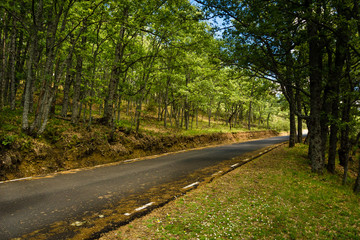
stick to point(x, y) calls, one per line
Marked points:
point(79, 59)
point(71, 57)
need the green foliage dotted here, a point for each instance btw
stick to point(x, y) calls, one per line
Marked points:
point(54, 131)
point(8, 140)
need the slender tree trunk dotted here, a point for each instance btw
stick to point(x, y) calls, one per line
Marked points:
point(324, 121)
point(250, 106)
point(48, 83)
point(315, 63)
point(357, 182)
point(11, 67)
point(197, 117)
point(344, 137)
point(67, 86)
point(138, 115)
point(114, 80)
point(292, 126)
point(119, 108)
point(5, 57)
point(186, 104)
point(335, 79)
point(21, 53)
point(289, 93)
point(160, 111)
point(29, 83)
point(2, 61)
point(335, 114)
point(209, 112)
point(77, 90)
point(166, 99)
point(299, 119)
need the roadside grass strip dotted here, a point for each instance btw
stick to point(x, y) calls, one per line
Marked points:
point(275, 196)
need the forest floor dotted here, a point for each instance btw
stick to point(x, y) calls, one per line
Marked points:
point(64, 146)
point(275, 196)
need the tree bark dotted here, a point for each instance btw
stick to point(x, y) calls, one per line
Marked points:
point(47, 93)
point(299, 118)
point(115, 77)
point(250, 106)
point(209, 112)
point(166, 99)
point(33, 47)
point(315, 64)
point(2, 62)
point(77, 90)
point(11, 67)
point(68, 82)
point(357, 182)
point(344, 138)
point(335, 79)
point(186, 104)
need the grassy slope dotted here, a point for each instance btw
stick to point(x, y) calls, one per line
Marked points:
point(273, 197)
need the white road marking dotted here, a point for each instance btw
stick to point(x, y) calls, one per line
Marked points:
point(217, 173)
point(235, 165)
point(191, 185)
point(14, 180)
point(143, 207)
point(132, 160)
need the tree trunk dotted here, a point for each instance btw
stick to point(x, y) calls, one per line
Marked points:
point(344, 137)
point(2, 63)
point(335, 79)
point(166, 99)
point(138, 115)
point(77, 87)
point(287, 87)
point(250, 106)
point(11, 68)
point(186, 105)
point(315, 64)
point(114, 80)
point(5, 79)
point(292, 126)
point(28, 99)
point(299, 119)
point(209, 112)
point(268, 121)
point(48, 83)
point(68, 82)
point(357, 182)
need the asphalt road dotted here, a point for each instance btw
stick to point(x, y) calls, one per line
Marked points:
point(29, 205)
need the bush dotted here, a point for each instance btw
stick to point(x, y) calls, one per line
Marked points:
point(7, 141)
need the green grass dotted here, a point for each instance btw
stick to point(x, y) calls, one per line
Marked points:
point(273, 197)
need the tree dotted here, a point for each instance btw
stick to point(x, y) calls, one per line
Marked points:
point(276, 39)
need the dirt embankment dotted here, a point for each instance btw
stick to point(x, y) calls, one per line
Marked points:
point(88, 149)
